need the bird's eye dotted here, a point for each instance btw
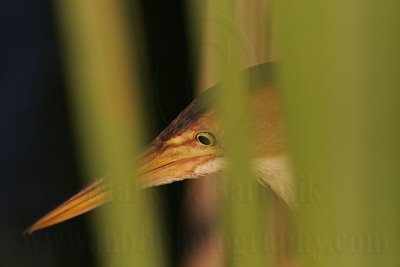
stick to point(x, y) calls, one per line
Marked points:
point(206, 138)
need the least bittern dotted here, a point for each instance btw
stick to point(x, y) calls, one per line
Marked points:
point(192, 147)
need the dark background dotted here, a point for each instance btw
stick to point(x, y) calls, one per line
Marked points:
point(38, 160)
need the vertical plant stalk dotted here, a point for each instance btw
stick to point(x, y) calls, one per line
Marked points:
point(107, 114)
point(340, 68)
point(222, 56)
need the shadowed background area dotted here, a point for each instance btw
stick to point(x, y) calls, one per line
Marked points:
point(38, 161)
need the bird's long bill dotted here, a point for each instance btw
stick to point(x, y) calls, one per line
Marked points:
point(154, 168)
point(89, 198)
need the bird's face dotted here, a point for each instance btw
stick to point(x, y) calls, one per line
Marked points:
point(192, 146)
point(194, 151)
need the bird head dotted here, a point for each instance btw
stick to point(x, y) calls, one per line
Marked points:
point(192, 147)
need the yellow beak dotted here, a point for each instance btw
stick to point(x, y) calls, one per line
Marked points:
point(155, 168)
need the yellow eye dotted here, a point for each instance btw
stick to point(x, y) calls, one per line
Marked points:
point(206, 138)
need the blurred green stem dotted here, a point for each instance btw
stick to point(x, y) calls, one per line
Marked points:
point(107, 114)
point(340, 74)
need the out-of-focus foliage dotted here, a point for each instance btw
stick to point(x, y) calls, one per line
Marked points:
point(340, 75)
point(106, 108)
